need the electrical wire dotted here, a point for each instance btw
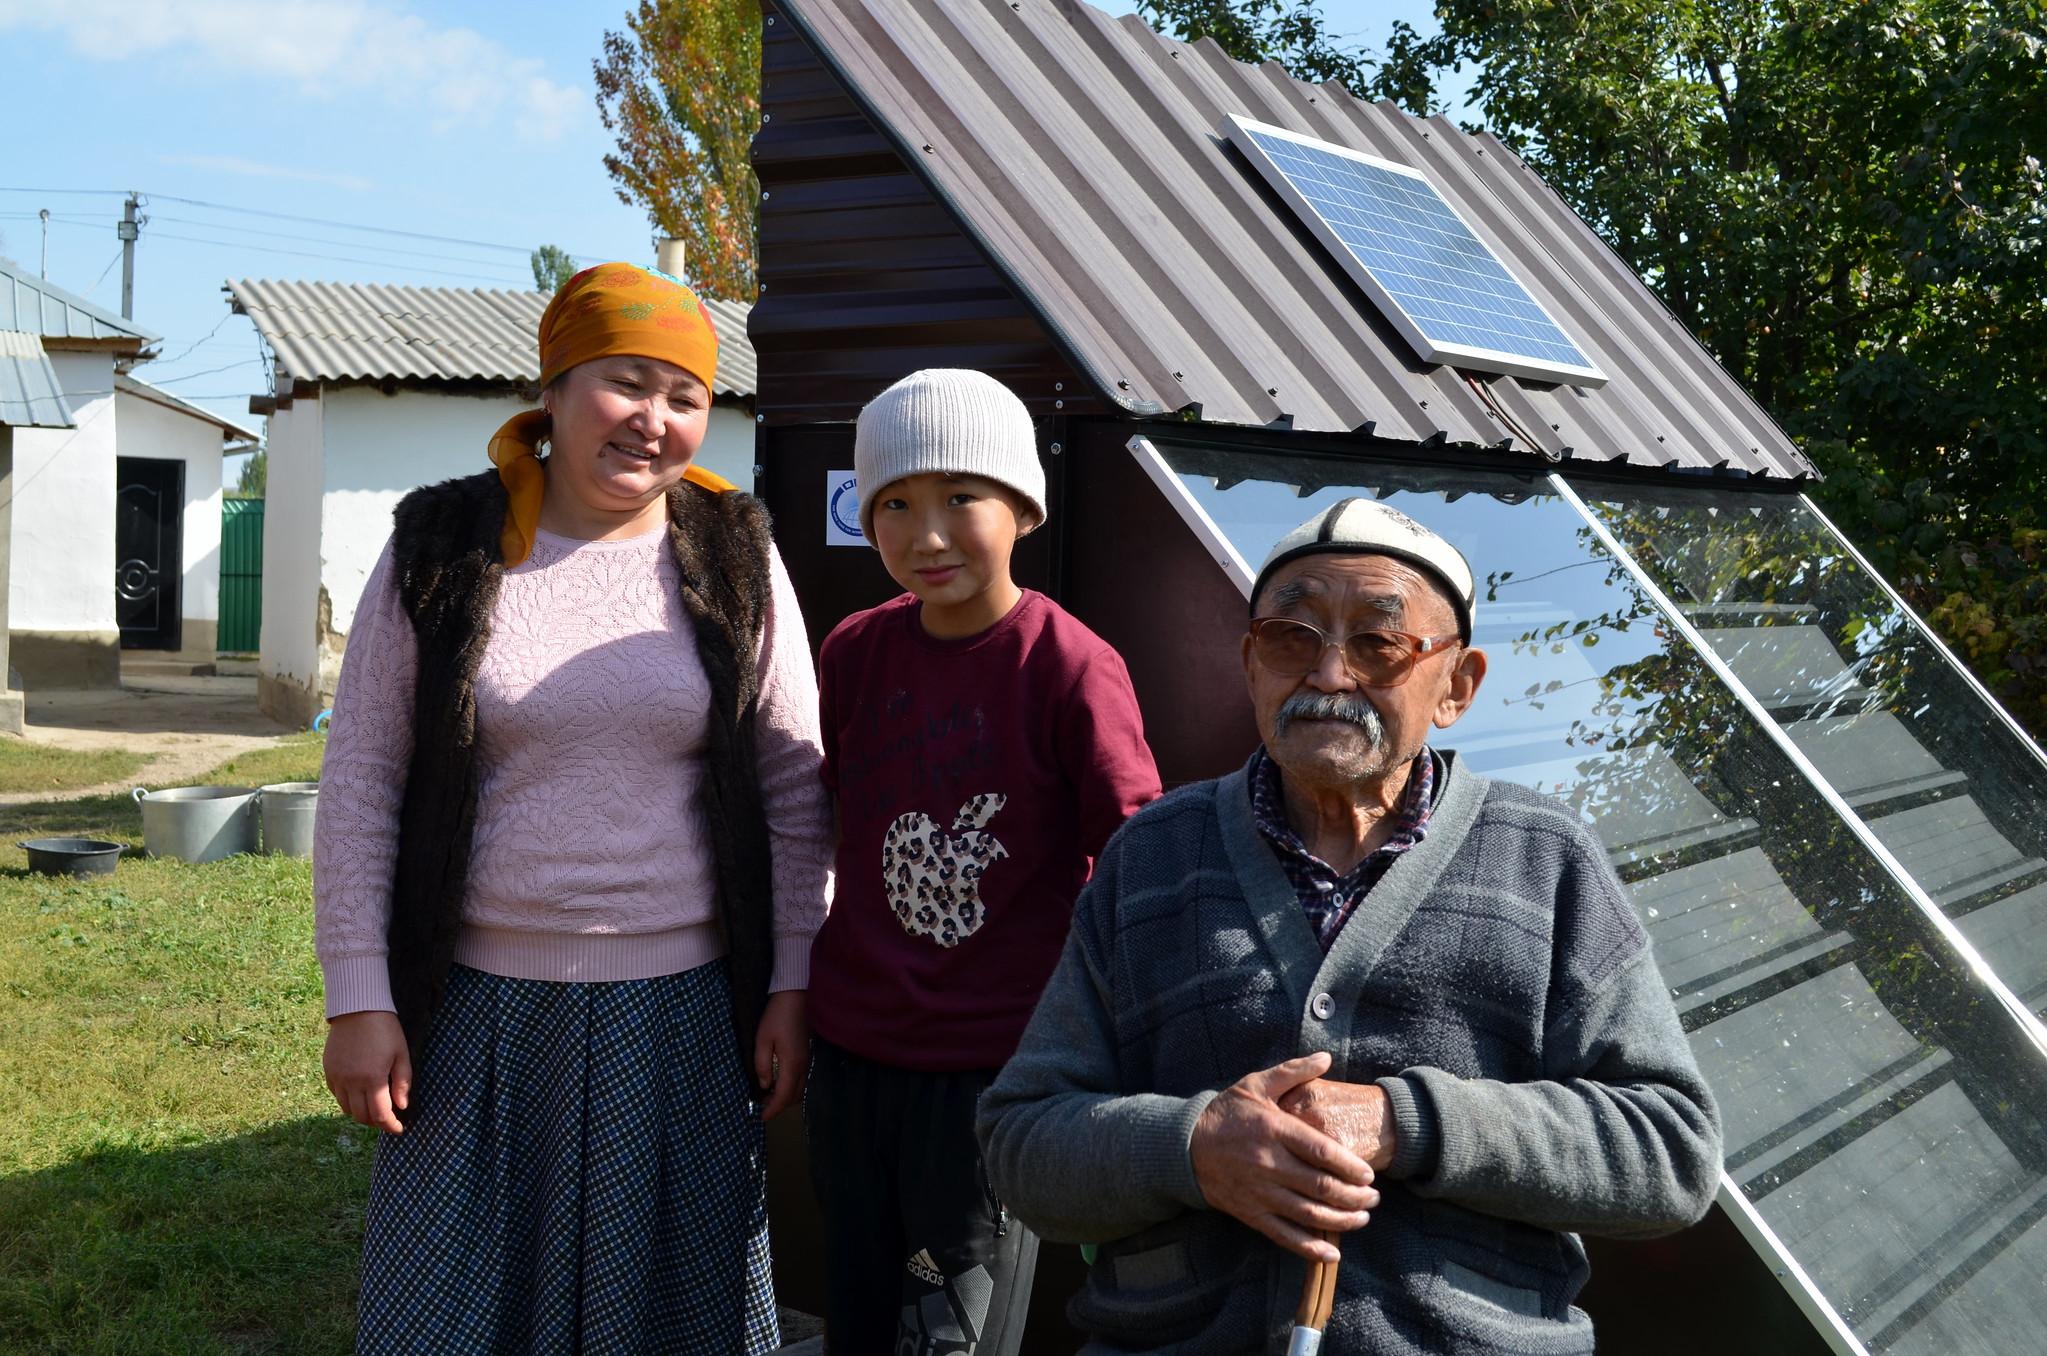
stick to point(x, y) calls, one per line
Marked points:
point(520, 250)
point(108, 269)
point(500, 279)
point(167, 381)
point(326, 240)
point(188, 351)
point(398, 255)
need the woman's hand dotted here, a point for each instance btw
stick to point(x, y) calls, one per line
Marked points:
point(781, 1052)
point(368, 1069)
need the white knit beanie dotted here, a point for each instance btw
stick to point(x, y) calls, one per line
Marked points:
point(952, 421)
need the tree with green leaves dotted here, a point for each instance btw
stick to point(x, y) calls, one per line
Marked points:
point(680, 90)
point(254, 476)
point(552, 266)
point(1843, 199)
point(1294, 33)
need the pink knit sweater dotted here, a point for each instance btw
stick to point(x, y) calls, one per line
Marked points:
point(591, 859)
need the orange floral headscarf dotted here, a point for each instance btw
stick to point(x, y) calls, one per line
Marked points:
point(601, 312)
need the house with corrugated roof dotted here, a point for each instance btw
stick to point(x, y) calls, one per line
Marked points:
point(64, 620)
point(1233, 299)
point(375, 391)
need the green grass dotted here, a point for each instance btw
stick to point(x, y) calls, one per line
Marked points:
point(296, 758)
point(173, 1175)
point(39, 767)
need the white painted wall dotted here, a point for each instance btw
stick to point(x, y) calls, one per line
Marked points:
point(339, 465)
point(63, 557)
point(378, 448)
point(291, 543)
point(728, 445)
point(150, 429)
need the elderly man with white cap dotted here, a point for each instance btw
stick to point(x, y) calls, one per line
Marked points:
point(1352, 1003)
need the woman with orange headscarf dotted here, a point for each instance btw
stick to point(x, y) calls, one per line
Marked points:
point(571, 851)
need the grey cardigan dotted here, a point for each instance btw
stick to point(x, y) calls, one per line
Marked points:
point(1495, 983)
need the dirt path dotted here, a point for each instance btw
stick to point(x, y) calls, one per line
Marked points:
point(188, 727)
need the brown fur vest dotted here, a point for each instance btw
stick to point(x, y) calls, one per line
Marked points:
point(448, 564)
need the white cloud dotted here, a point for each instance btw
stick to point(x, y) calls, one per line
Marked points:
point(234, 164)
point(323, 48)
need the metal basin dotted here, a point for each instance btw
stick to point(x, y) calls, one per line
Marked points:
point(72, 856)
point(288, 809)
point(198, 823)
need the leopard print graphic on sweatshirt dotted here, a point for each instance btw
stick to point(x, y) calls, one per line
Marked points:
point(933, 878)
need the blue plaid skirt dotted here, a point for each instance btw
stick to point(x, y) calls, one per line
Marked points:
point(584, 1173)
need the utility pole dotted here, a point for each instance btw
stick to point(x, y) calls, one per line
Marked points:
point(128, 230)
point(45, 215)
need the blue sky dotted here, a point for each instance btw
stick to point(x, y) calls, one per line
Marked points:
point(453, 118)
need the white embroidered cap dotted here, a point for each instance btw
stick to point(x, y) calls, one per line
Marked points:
point(1368, 527)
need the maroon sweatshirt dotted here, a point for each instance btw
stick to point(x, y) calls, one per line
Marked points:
point(976, 779)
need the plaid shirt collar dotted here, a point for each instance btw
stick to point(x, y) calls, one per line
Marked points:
point(1327, 898)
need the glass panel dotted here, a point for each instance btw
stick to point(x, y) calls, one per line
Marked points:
point(1884, 716)
point(1882, 1109)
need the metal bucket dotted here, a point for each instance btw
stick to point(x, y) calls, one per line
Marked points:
point(198, 823)
point(288, 817)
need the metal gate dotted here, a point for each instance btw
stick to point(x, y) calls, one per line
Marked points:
point(241, 576)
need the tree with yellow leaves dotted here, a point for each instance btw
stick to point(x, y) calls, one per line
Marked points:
point(680, 89)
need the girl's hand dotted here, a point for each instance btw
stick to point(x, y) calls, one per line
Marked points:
point(781, 1052)
point(368, 1069)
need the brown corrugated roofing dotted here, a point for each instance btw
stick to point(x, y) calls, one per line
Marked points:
point(1088, 157)
point(333, 332)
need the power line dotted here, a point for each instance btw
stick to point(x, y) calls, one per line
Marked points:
point(108, 269)
point(522, 250)
point(190, 349)
point(324, 240)
point(499, 279)
point(166, 381)
point(396, 253)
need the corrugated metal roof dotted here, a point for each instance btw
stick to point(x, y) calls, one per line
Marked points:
point(33, 305)
point(366, 332)
point(1087, 156)
point(230, 430)
point(738, 369)
point(30, 396)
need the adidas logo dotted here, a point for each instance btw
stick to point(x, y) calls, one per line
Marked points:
point(924, 1269)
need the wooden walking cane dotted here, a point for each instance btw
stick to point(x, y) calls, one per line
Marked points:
point(1318, 1297)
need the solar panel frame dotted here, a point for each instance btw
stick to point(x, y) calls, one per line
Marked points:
point(1244, 134)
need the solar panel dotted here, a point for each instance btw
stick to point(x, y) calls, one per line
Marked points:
point(1452, 298)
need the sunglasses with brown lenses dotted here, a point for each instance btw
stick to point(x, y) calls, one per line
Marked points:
point(1292, 648)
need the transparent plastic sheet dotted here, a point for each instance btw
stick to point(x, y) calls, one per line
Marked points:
point(1884, 1109)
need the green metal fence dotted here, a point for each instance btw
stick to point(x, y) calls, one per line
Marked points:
point(241, 575)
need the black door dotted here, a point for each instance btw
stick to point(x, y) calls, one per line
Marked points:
point(149, 551)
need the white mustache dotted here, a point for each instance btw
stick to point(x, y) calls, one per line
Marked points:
point(1330, 706)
